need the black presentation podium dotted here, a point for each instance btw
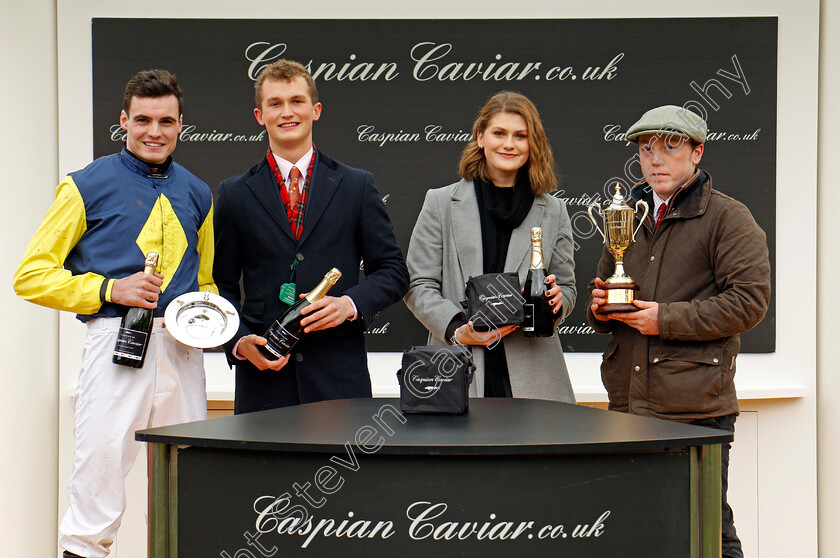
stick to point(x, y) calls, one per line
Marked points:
point(511, 478)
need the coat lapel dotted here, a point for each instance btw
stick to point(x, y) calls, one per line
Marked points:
point(324, 185)
point(264, 188)
point(519, 249)
point(466, 230)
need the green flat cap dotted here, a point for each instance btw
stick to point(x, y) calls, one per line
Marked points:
point(669, 119)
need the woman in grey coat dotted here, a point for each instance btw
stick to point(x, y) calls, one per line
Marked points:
point(482, 224)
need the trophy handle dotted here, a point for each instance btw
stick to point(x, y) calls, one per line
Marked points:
point(644, 216)
point(592, 206)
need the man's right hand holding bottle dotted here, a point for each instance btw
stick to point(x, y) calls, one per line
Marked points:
point(246, 349)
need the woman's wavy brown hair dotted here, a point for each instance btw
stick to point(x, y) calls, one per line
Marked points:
point(540, 162)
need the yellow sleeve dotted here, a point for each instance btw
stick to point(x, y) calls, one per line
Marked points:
point(41, 277)
point(206, 250)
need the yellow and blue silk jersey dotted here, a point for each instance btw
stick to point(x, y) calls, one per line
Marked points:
point(104, 220)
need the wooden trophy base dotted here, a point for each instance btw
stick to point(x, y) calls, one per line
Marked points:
point(616, 308)
point(620, 298)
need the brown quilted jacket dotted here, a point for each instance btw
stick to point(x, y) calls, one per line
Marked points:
point(707, 266)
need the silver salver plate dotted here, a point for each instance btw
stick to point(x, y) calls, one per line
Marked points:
point(201, 319)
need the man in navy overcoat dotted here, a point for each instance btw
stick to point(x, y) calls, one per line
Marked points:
point(287, 221)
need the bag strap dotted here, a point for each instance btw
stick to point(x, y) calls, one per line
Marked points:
point(470, 369)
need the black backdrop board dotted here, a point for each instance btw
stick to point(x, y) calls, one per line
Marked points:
point(400, 96)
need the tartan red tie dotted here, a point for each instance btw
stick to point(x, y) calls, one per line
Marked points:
point(294, 190)
point(660, 214)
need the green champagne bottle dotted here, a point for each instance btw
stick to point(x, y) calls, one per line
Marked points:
point(136, 328)
point(539, 319)
point(286, 330)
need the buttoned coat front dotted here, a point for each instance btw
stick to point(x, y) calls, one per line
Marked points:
point(445, 250)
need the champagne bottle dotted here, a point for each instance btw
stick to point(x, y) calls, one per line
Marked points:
point(136, 328)
point(286, 330)
point(539, 319)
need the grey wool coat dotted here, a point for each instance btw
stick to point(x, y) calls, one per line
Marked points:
point(445, 251)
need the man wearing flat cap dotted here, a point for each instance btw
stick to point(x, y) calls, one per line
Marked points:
point(702, 266)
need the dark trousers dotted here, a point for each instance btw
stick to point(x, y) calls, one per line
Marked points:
point(730, 543)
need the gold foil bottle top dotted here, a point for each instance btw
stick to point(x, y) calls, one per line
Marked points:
point(333, 276)
point(330, 279)
point(537, 261)
point(151, 262)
